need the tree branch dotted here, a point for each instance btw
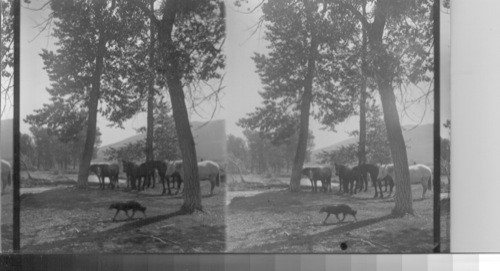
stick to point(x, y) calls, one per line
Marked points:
point(357, 14)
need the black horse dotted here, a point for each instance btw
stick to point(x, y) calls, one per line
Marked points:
point(369, 169)
point(347, 178)
point(135, 173)
point(319, 173)
point(106, 170)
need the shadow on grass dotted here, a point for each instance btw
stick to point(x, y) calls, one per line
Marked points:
point(93, 237)
point(104, 234)
point(412, 240)
point(310, 240)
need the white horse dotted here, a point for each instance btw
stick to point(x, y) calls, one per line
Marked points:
point(207, 170)
point(418, 174)
point(383, 175)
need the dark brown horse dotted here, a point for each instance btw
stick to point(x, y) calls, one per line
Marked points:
point(136, 173)
point(106, 170)
point(347, 178)
point(373, 171)
point(319, 173)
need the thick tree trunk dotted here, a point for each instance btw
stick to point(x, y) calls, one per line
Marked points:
point(88, 151)
point(192, 191)
point(383, 73)
point(362, 101)
point(305, 107)
point(403, 196)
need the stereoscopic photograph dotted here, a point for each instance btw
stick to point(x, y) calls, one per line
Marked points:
point(236, 126)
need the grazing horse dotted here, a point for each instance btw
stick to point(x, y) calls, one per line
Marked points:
point(347, 177)
point(160, 166)
point(106, 170)
point(383, 175)
point(135, 173)
point(171, 168)
point(207, 170)
point(372, 170)
point(418, 174)
point(6, 174)
point(130, 168)
point(319, 173)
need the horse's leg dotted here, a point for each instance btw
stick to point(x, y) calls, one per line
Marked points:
point(162, 178)
point(324, 221)
point(424, 187)
point(366, 184)
point(179, 187)
point(380, 189)
point(139, 179)
point(114, 217)
point(212, 185)
point(154, 178)
point(391, 185)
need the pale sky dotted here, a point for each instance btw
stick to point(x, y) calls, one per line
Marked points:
point(241, 82)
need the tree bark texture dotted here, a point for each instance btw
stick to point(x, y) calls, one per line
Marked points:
point(192, 191)
point(403, 197)
point(305, 107)
point(384, 66)
point(362, 101)
point(151, 96)
point(88, 151)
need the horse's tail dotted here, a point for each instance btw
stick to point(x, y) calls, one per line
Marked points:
point(429, 183)
point(217, 178)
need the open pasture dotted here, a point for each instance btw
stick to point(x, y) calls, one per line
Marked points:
point(65, 219)
point(277, 221)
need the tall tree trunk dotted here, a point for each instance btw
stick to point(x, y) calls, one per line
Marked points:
point(403, 196)
point(192, 191)
point(384, 74)
point(362, 101)
point(88, 150)
point(305, 107)
point(151, 94)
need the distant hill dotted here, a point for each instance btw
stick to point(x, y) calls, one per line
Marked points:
point(209, 138)
point(7, 139)
point(419, 142)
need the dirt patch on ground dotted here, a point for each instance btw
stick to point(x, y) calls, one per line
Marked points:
point(278, 221)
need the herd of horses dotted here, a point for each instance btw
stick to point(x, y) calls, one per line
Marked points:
point(142, 176)
point(355, 179)
point(351, 180)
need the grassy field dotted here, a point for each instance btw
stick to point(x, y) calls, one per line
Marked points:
point(256, 214)
point(67, 219)
point(278, 221)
